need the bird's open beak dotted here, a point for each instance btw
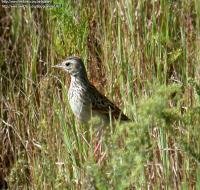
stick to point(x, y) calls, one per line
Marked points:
point(57, 66)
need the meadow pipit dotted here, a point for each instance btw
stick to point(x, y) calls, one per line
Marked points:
point(85, 100)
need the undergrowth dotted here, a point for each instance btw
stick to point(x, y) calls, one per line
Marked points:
point(143, 55)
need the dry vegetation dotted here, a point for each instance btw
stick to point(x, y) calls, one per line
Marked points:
point(144, 55)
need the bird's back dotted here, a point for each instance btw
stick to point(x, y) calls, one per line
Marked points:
point(104, 106)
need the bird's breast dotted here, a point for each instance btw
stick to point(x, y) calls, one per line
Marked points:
point(80, 107)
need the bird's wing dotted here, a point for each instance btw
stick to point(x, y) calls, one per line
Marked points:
point(103, 105)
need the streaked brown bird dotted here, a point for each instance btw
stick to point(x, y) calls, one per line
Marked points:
point(85, 100)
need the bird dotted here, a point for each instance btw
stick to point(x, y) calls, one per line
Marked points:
point(84, 99)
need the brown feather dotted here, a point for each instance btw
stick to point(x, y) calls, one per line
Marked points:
point(103, 105)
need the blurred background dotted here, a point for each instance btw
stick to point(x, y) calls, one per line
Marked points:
point(142, 54)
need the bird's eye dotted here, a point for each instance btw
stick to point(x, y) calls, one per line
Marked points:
point(67, 64)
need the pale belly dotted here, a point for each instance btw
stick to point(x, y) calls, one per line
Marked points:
point(81, 110)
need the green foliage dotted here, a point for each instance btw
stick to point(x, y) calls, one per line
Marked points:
point(143, 53)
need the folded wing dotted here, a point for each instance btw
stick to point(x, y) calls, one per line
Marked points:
point(104, 106)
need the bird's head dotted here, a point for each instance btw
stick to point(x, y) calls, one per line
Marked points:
point(74, 66)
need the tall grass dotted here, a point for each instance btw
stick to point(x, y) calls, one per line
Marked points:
point(144, 55)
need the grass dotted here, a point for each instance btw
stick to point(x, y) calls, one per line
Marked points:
point(143, 55)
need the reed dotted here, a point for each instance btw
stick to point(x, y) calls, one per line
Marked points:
point(144, 55)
